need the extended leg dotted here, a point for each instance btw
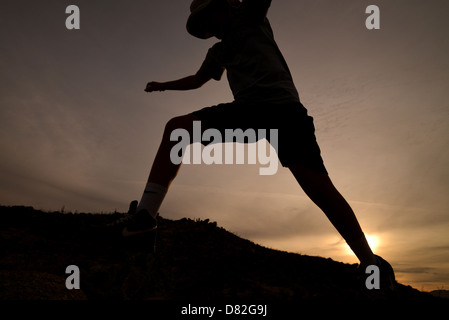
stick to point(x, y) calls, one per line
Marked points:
point(164, 171)
point(142, 220)
point(323, 193)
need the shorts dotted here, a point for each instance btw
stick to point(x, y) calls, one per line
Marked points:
point(297, 143)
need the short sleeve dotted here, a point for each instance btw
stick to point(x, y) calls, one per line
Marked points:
point(213, 65)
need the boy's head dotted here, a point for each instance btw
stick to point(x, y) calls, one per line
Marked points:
point(208, 18)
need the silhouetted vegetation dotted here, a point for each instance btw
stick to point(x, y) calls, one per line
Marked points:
point(194, 260)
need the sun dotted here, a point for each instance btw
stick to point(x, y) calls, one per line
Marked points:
point(373, 241)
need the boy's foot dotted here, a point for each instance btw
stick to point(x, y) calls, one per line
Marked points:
point(134, 223)
point(387, 277)
point(387, 281)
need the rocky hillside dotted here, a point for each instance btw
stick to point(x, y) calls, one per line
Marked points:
point(195, 260)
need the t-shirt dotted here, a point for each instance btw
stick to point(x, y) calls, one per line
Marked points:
point(256, 69)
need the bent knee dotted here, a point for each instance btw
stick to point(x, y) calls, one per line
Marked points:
point(181, 122)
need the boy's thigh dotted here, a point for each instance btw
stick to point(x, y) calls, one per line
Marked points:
point(185, 122)
point(298, 145)
point(224, 116)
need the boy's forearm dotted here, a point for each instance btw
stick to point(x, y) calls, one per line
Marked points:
point(187, 83)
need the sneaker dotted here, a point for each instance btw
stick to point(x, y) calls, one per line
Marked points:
point(387, 277)
point(134, 223)
point(127, 216)
point(387, 281)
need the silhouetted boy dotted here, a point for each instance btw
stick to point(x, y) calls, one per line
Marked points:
point(265, 97)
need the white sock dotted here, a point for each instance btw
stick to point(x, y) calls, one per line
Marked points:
point(152, 198)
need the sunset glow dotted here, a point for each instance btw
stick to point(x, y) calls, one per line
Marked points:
point(373, 241)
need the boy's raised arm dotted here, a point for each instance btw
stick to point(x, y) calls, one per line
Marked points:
point(188, 83)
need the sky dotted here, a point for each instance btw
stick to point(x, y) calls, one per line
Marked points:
point(77, 130)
